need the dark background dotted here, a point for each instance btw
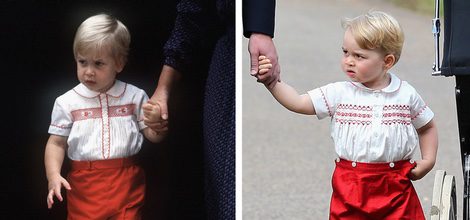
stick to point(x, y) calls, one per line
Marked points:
point(37, 65)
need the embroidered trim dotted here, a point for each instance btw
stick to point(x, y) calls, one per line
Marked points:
point(109, 128)
point(92, 97)
point(121, 110)
point(119, 96)
point(396, 114)
point(61, 126)
point(326, 103)
point(353, 114)
point(396, 121)
point(419, 112)
point(113, 111)
point(352, 121)
point(102, 129)
point(87, 113)
point(382, 90)
point(397, 107)
point(355, 107)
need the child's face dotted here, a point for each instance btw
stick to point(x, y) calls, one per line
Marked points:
point(362, 65)
point(97, 70)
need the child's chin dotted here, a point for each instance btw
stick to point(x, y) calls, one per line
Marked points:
point(353, 79)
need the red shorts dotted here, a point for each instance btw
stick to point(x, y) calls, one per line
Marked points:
point(374, 191)
point(106, 189)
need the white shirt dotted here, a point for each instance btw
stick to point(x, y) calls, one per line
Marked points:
point(372, 125)
point(100, 125)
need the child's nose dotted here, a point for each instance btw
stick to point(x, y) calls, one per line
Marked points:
point(349, 61)
point(89, 71)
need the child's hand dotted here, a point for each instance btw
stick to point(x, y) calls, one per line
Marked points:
point(152, 117)
point(55, 185)
point(264, 65)
point(422, 168)
point(152, 112)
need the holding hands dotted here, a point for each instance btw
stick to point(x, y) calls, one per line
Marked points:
point(265, 65)
point(153, 117)
point(263, 44)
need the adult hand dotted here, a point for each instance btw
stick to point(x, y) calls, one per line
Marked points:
point(261, 44)
point(161, 95)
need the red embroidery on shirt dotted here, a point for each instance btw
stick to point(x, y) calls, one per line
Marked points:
point(61, 126)
point(354, 107)
point(102, 131)
point(396, 114)
point(352, 121)
point(120, 95)
point(87, 113)
point(121, 110)
point(113, 111)
point(353, 114)
point(419, 112)
point(109, 128)
point(326, 103)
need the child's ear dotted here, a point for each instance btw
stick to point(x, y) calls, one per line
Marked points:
point(120, 63)
point(389, 61)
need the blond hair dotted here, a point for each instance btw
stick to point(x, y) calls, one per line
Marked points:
point(377, 30)
point(100, 32)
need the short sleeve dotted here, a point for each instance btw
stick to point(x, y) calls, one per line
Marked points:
point(141, 98)
point(323, 100)
point(61, 120)
point(421, 114)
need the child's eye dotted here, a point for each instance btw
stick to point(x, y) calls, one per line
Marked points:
point(83, 62)
point(99, 63)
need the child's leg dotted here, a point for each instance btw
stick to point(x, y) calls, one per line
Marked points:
point(374, 191)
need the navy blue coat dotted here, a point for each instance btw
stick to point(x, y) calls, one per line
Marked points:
point(203, 25)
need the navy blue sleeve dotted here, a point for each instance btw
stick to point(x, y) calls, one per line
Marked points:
point(195, 30)
point(258, 17)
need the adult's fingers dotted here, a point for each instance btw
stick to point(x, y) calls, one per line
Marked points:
point(163, 110)
point(254, 62)
point(158, 126)
point(150, 101)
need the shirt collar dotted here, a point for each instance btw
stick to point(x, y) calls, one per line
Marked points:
point(395, 84)
point(117, 90)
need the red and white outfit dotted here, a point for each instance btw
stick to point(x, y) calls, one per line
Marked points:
point(103, 131)
point(375, 137)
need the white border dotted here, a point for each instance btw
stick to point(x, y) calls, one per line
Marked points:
point(238, 108)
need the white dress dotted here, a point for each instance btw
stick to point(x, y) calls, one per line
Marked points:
point(372, 125)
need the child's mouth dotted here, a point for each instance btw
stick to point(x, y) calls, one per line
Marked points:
point(350, 73)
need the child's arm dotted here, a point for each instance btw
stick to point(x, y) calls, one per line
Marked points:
point(53, 159)
point(428, 145)
point(152, 118)
point(286, 95)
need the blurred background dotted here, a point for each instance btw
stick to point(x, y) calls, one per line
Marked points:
point(288, 158)
point(38, 65)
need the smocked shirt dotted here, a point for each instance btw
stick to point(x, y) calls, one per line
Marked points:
point(372, 125)
point(100, 125)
